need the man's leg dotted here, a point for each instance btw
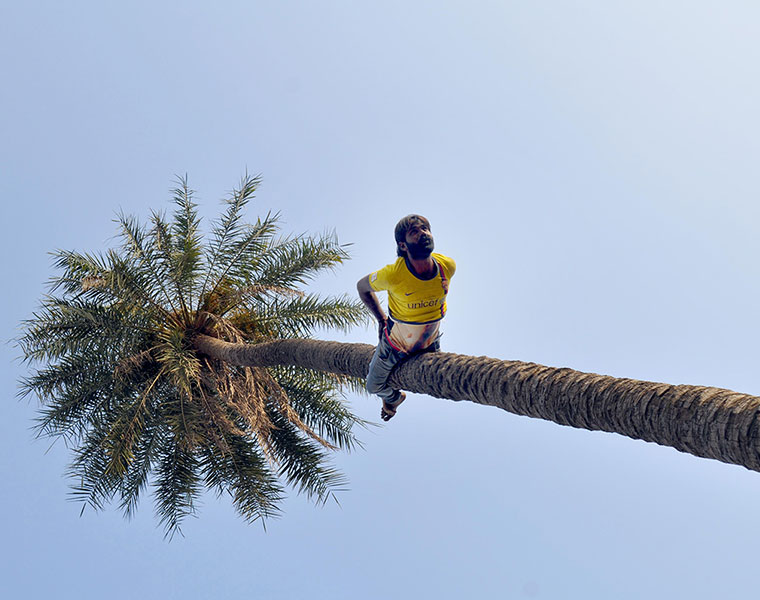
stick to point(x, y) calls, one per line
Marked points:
point(383, 361)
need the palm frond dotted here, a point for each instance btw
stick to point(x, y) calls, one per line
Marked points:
point(145, 258)
point(62, 327)
point(242, 472)
point(301, 316)
point(238, 260)
point(291, 262)
point(177, 486)
point(145, 455)
point(186, 250)
point(228, 234)
point(304, 463)
point(314, 397)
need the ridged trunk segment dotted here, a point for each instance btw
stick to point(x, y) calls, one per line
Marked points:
point(703, 421)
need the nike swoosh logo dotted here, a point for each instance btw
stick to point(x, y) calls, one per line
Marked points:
point(409, 294)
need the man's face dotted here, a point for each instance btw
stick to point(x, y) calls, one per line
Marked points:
point(419, 241)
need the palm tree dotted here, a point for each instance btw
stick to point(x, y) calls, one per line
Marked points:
point(195, 366)
point(122, 382)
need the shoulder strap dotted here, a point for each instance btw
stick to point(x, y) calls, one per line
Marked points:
point(444, 280)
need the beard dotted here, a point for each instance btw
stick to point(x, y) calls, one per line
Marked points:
point(421, 249)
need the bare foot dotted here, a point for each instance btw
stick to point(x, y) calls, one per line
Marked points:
point(389, 408)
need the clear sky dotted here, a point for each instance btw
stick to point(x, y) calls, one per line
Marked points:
point(591, 165)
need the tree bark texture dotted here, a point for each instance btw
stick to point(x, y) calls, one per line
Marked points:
point(703, 421)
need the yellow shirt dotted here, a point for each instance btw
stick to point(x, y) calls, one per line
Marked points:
point(411, 299)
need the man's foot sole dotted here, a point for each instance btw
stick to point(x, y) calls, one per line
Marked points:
point(388, 411)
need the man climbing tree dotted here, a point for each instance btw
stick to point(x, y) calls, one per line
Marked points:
point(417, 285)
point(185, 363)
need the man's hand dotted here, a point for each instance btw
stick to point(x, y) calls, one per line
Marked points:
point(381, 325)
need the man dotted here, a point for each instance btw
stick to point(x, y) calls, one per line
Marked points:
point(417, 285)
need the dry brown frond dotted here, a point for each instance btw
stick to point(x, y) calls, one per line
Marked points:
point(222, 328)
point(130, 364)
point(92, 281)
point(239, 397)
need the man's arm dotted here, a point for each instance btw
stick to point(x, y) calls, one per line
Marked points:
point(368, 296)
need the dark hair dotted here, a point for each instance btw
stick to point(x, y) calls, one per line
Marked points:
point(404, 225)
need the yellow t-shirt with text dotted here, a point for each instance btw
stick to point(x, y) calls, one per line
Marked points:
point(411, 299)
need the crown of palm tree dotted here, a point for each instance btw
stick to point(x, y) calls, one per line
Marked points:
point(120, 379)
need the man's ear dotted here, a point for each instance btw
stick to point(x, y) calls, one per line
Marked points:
point(402, 245)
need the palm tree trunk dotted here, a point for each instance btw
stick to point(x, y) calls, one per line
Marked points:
point(703, 421)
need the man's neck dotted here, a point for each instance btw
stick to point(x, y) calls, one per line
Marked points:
point(424, 268)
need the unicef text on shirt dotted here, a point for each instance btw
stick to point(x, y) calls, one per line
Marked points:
point(423, 304)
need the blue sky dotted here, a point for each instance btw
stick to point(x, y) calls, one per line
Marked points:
point(591, 166)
